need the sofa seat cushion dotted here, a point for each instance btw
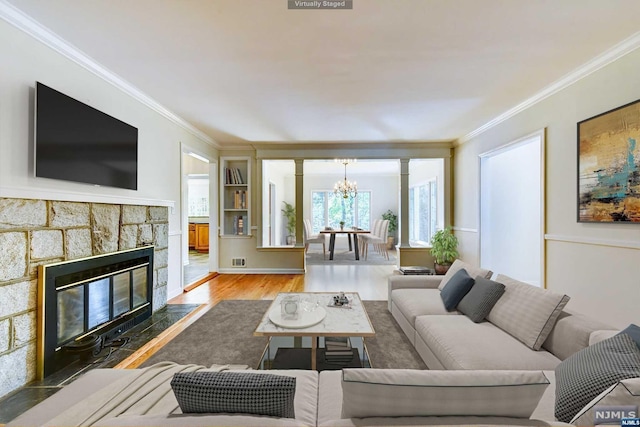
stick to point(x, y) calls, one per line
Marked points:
point(419, 302)
point(199, 420)
point(467, 421)
point(458, 343)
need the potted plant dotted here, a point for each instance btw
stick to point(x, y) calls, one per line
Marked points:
point(444, 249)
point(393, 226)
point(289, 213)
point(341, 225)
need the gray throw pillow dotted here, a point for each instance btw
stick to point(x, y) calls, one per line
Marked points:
point(457, 287)
point(634, 332)
point(235, 392)
point(484, 294)
point(584, 375)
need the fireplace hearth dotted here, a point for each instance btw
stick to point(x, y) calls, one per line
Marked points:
point(84, 303)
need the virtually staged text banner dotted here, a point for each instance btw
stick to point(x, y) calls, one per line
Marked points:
point(320, 4)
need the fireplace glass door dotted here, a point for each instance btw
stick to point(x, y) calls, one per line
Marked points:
point(87, 305)
point(70, 313)
point(99, 302)
point(93, 299)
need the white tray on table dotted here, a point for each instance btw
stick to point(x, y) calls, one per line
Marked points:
point(304, 320)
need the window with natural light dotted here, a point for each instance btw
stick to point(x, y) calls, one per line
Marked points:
point(329, 209)
point(426, 199)
point(198, 190)
point(423, 215)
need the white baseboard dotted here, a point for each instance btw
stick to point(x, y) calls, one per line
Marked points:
point(261, 271)
point(174, 294)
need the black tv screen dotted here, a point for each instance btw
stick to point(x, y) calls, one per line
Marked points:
point(76, 142)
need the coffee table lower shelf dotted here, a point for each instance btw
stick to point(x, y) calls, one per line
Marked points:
point(300, 358)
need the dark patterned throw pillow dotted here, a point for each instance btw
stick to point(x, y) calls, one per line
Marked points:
point(235, 392)
point(584, 375)
point(479, 301)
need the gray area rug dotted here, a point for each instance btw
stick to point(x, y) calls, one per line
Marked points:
point(224, 335)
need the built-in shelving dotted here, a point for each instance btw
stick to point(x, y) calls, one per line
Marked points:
point(235, 196)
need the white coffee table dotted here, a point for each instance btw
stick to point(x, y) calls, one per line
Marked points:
point(338, 322)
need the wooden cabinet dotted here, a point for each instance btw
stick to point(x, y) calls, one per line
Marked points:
point(202, 237)
point(192, 236)
point(235, 196)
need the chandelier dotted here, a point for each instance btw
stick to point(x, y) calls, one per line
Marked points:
point(346, 188)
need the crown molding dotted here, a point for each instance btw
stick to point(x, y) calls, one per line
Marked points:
point(27, 24)
point(607, 57)
point(356, 145)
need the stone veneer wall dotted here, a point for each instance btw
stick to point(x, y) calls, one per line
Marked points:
point(36, 232)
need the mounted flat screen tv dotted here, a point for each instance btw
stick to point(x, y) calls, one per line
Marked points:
point(76, 142)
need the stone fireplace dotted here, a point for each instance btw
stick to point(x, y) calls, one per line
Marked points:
point(41, 232)
point(86, 302)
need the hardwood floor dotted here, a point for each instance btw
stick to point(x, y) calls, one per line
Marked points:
point(370, 281)
point(241, 286)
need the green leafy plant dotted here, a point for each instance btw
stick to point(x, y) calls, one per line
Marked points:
point(393, 220)
point(444, 246)
point(289, 213)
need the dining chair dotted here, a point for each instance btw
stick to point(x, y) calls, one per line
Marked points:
point(366, 239)
point(382, 243)
point(309, 238)
point(379, 239)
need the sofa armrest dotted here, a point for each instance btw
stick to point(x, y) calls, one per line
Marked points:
point(418, 281)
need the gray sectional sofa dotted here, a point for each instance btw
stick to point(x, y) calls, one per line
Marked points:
point(320, 401)
point(450, 340)
point(495, 372)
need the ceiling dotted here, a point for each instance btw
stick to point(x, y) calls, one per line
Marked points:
point(251, 71)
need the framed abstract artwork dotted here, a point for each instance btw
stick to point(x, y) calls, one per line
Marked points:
point(609, 166)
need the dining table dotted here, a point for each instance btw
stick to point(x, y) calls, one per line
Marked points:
point(349, 232)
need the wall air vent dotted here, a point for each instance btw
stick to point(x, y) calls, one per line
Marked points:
point(238, 262)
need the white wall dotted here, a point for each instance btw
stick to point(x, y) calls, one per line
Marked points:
point(26, 61)
point(597, 265)
point(195, 166)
